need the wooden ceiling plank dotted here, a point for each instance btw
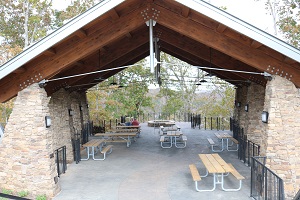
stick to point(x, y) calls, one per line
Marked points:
point(244, 53)
point(187, 54)
point(193, 61)
point(129, 58)
point(202, 51)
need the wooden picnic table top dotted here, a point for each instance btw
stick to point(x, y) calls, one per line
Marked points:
point(174, 133)
point(214, 163)
point(116, 134)
point(93, 143)
point(128, 127)
point(223, 135)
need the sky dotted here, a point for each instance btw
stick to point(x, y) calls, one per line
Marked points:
point(251, 11)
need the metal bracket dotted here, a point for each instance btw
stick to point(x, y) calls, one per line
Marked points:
point(150, 13)
point(30, 81)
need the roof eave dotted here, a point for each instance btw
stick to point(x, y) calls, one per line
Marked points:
point(242, 27)
point(58, 35)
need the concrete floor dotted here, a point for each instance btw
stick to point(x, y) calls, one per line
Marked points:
point(145, 171)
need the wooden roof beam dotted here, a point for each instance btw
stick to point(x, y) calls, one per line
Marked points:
point(251, 56)
point(66, 56)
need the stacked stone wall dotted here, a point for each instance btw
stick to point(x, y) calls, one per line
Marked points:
point(62, 134)
point(282, 144)
point(253, 126)
point(26, 163)
point(65, 126)
point(241, 96)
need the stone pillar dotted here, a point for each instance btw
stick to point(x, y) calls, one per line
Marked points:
point(241, 96)
point(282, 144)
point(64, 126)
point(62, 133)
point(254, 125)
point(26, 151)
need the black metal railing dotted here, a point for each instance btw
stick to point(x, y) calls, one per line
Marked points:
point(247, 148)
point(9, 196)
point(265, 184)
point(76, 150)
point(61, 160)
point(195, 120)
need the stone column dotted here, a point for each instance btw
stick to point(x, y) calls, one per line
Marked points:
point(241, 96)
point(26, 151)
point(65, 126)
point(282, 144)
point(254, 125)
point(62, 133)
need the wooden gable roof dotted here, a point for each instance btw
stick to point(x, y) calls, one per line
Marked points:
point(114, 33)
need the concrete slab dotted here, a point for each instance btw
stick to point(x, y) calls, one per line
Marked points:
point(145, 171)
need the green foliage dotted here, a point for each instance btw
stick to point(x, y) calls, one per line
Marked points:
point(41, 197)
point(110, 101)
point(23, 193)
point(76, 8)
point(5, 191)
point(285, 14)
point(23, 22)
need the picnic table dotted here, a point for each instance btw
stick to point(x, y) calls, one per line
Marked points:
point(133, 128)
point(227, 137)
point(219, 168)
point(94, 143)
point(173, 137)
point(119, 137)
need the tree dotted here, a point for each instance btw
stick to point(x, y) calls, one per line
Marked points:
point(75, 8)
point(178, 84)
point(127, 97)
point(285, 14)
point(24, 22)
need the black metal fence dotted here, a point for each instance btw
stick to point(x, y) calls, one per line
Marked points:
point(61, 160)
point(247, 148)
point(265, 184)
point(195, 120)
point(9, 196)
point(76, 150)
